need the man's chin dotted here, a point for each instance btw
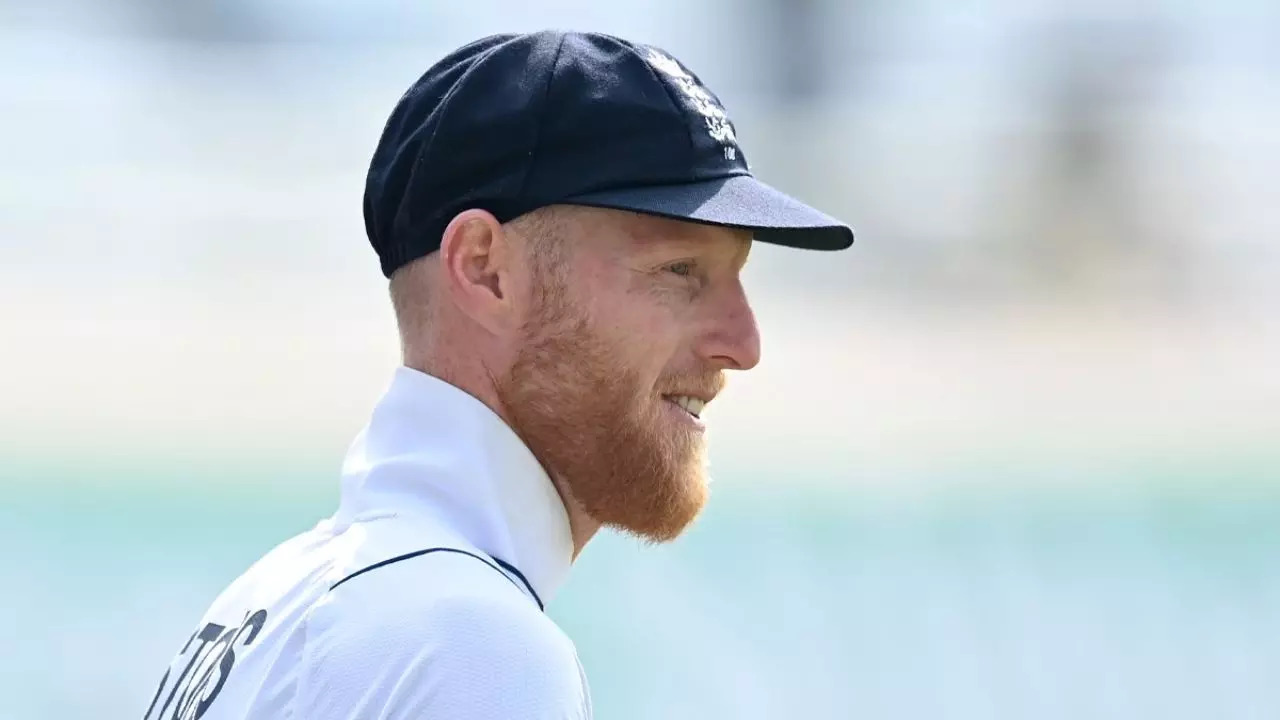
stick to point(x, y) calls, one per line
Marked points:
point(661, 523)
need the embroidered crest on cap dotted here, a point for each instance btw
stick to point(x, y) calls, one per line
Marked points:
point(713, 114)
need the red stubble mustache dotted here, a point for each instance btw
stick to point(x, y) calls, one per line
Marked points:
point(705, 387)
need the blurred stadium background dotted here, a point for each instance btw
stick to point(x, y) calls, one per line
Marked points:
point(1015, 455)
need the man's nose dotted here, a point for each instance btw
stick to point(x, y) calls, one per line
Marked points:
point(731, 340)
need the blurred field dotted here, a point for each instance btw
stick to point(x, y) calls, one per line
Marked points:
point(1014, 455)
point(817, 603)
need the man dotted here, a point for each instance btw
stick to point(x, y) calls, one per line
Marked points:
point(563, 218)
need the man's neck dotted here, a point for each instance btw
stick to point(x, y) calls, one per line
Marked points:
point(582, 527)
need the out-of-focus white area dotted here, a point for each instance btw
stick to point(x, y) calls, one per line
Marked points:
point(1067, 235)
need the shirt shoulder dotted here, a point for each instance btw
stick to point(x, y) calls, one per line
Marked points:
point(440, 635)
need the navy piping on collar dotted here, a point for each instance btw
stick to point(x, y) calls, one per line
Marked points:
point(484, 559)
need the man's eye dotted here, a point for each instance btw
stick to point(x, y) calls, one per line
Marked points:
point(683, 269)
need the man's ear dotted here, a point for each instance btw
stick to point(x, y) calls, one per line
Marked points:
point(476, 258)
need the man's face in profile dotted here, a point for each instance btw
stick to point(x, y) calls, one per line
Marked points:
point(625, 340)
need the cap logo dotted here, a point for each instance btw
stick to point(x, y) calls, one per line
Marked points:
point(713, 115)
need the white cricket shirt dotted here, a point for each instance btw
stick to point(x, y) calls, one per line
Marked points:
point(420, 598)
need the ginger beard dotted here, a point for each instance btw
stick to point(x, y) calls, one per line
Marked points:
point(600, 430)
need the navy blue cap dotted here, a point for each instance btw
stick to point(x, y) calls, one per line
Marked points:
point(511, 123)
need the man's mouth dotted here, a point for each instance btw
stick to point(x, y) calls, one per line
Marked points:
point(689, 404)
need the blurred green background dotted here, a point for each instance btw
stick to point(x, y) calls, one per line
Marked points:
point(1014, 455)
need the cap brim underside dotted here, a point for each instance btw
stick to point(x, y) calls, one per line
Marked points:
point(739, 201)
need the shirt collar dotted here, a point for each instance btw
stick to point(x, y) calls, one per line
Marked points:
point(430, 445)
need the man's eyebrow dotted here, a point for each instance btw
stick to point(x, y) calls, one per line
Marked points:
point(654, 242)
point(647, 241)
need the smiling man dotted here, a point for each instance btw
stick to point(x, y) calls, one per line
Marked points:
point(563, 218)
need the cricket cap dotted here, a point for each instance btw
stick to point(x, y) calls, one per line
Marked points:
point(514, 122)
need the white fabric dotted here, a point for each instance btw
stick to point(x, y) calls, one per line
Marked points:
point(440, 635)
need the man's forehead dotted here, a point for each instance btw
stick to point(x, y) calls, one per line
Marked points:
point(642, 231)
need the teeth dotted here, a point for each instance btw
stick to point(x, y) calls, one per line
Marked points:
point(691, 405)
